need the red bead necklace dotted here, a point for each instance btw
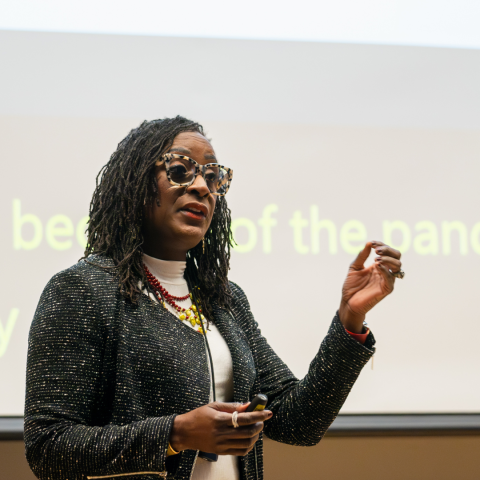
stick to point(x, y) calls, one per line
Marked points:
point(152, 280)
point(163, 296)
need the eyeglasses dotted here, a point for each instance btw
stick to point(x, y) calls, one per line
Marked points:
point(182, 171)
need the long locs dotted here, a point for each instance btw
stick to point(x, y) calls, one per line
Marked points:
point(209, 271)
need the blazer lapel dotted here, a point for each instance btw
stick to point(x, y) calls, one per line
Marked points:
point(244, 372)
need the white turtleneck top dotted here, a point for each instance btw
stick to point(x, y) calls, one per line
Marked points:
point(170, 275)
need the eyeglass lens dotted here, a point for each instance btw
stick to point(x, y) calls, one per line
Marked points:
point(183, 171)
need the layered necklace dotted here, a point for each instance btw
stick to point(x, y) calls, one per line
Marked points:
point(189, 314)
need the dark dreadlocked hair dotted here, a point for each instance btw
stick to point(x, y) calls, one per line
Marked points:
point(124, 185)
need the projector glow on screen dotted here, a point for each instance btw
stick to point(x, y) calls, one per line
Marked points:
point(444, 23)
point(332, 145)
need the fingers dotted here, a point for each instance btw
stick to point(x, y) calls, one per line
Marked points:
point(382, 249)
point(224, 419)
point(248, 431)
point(390, 263)
point(357, 264)
point(250, 418)
point(243, 407)
point(387, 275)
point(228, 440)
point(387, 256)
point(237, 452)
point(239, 441)
point(390, 256)
point(240, 446)
point(228, 407)
point(388, 283)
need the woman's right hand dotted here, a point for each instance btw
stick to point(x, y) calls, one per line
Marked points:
point(210, 429)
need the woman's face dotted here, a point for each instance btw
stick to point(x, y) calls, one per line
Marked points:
point(185, 213)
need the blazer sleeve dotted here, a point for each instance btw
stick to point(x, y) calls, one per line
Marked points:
point(304, 409)
point(64, 375)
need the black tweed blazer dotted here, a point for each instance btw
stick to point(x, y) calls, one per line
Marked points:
point(105, 379)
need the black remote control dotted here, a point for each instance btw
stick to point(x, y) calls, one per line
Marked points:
point(258, 403)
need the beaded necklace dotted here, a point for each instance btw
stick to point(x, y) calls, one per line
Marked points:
point(190, 314)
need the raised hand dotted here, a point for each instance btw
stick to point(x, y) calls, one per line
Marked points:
point(364, 286)
point(210, 429)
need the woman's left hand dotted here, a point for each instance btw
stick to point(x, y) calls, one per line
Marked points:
point(364, 287)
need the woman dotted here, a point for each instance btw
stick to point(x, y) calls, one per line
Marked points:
point(129, 347)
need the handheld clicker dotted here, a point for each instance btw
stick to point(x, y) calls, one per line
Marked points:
point(258, 403)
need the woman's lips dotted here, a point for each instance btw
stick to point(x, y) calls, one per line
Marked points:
point(197, 215)
point(195, 210)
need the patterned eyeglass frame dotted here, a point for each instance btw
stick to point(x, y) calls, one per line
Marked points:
point(199, 169)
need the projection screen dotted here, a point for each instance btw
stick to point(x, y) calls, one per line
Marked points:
point(331, 144)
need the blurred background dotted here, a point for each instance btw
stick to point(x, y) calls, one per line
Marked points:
point(343, 121)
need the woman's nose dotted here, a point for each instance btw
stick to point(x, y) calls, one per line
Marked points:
point(199, 186)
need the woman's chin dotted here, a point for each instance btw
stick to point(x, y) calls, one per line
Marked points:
point(190, 235)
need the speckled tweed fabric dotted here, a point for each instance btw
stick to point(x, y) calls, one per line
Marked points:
point(105, 379)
